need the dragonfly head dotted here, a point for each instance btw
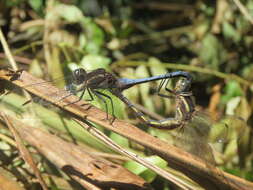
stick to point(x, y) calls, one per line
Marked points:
point(79, 76)
point(183, 85)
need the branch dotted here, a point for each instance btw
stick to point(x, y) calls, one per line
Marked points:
point(92, 172)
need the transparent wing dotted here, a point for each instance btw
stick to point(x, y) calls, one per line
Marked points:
point(201, 130)
point(59, 94)
point(56, 94)
point(67, 80)
point(55, 80)
point(193, 137)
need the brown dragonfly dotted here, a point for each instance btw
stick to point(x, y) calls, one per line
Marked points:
point(195, 129)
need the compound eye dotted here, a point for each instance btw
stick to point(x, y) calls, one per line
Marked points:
point(183, 83)
point(186, 84)
point(82, 72)
point(75, 72)
point(79, 72)
point(79, 75)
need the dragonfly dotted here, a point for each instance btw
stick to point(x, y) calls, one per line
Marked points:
point(99, 79)
point(185, 106)
point(193, 127)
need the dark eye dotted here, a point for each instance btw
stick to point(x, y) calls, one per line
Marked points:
point(183, 83)
point(186, 84)
point(79, 76)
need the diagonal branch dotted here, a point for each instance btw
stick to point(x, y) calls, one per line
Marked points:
point(92, 172)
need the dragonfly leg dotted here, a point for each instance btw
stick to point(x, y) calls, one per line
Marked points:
point(105, 95)
point(79, 99)
point(91, 99)
point(102, 99)
point(27, 102)
point(161, 85)
point(90, 94)
point(166, 88)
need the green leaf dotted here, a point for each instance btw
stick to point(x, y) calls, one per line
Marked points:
point(139, 169)
point(35, 69)
point(94, 35)
point(92, 61)
point(212, 51)
point(249, 175)
point(69, 13)
point(157, 68)
point(230, 32)
point(232, 89)
point(142, 72)
point(119, 139)
point(234, 171)
point(36, 4)
point(133, 92)
point(52, 121)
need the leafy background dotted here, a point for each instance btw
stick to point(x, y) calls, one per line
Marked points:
point(135, 39)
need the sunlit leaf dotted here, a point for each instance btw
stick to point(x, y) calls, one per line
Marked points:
point(212, 52)
point(244, 109)
point(35, 69)
point(119, 139)
point(94, 35)
point(157, 68)
point(230, 32)
point(232, 89)
point(91, 62)
point(133, 92)
point(142, 72)
point(147, 174)
point(69, 12)
point(36, 4)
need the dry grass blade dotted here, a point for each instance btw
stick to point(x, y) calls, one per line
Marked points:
point(7, 182)
point(191, 166)
point(7, 51)
point(23, 151)
point(244, 11)
point(89, 127)
point(92, 172)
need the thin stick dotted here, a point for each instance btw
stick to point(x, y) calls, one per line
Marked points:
point(25, 154)
point(7, 51)
point(244, 11)
point(11, 58)
point(98, 134)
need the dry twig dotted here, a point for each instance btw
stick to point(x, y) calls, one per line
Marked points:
point(92, 172)
point(23, 151)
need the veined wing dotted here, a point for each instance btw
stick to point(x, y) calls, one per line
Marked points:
point(197, 133)
point(57, 94)
point(193, 137)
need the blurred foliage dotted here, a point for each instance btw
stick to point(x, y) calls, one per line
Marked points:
point(136, 39)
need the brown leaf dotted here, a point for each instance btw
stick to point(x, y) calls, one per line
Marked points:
point(23, 151)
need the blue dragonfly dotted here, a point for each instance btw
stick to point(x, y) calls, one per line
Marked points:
point(94, 82)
